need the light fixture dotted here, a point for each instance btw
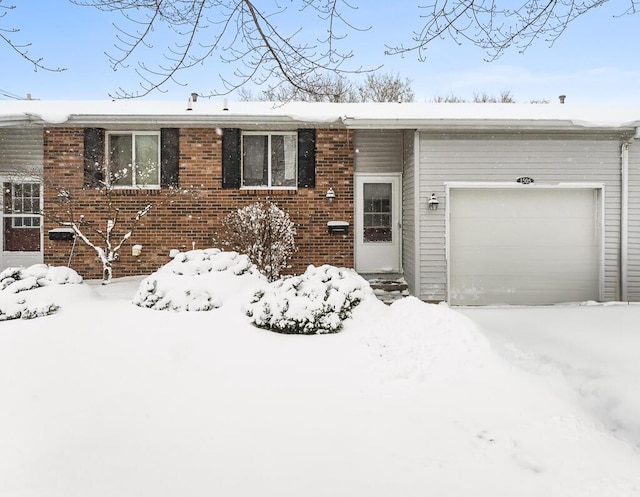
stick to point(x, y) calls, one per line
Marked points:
point(330, 195)
point(433, 202)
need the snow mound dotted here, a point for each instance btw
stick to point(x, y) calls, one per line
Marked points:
point(197, 280)
point(315, 302)
point(18, 286)
point(423, 341)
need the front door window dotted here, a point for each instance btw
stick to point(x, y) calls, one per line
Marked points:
point(377, 222)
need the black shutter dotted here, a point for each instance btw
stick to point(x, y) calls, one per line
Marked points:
point(231, 158)
point(306, 158)
point(93, 156)
point(169, 156)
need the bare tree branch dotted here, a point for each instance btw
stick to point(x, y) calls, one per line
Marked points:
point(496, 26)
point(242, 33)
point(22, 49)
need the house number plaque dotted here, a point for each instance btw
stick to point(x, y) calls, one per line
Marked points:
point(525, 180)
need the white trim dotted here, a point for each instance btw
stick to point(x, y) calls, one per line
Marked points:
point(416, 199)
point(397, 211)
point(471, 185)
point(269, 133)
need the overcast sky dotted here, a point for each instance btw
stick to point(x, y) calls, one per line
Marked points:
point(595, 60)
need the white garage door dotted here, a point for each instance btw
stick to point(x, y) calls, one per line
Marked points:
point(524, 245)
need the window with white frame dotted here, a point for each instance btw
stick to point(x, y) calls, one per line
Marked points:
point(269, 160)
point(22, 199)
point(133, 159)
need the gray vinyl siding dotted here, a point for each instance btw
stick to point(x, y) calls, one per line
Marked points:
point(549, 159)
point(21, 150)
point(633, 271)
point(378, 151)
point(408, 212)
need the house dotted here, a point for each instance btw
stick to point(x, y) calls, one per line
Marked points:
point(473, 203)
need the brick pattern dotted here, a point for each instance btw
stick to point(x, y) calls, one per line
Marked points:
point(191, 220)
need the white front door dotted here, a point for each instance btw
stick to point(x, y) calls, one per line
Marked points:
point(21, 234)
point(377, 223)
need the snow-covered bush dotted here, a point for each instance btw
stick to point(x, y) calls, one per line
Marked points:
point(315, 302)
point(263, 232)
point(16, 284)
point(198, 280)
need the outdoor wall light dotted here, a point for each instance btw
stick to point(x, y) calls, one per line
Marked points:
point(136, 250)
point(433, 202)
point(331, 195)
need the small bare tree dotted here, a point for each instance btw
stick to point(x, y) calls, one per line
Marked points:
point(107, 237)
point(108, 227)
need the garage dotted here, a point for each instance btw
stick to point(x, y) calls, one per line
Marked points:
point(524, 244)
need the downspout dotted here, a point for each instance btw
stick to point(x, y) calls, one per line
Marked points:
point(624, 214)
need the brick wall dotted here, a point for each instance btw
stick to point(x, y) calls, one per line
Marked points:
point(184, 221)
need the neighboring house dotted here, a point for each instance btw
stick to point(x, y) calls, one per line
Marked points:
point(472, 203)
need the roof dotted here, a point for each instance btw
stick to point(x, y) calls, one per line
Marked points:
point(354, 116)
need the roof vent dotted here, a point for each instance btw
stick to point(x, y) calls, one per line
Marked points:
point(562, 97)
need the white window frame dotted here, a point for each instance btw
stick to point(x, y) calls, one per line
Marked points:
point(15, 216)
point(269, 172)
point(133, 184)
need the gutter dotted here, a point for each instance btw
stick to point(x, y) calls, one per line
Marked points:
point(624, 215)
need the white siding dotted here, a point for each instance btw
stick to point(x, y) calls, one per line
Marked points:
point(408, 212)
point(378, 151)
point(633, 274)
point(549, 159)
point(21, 150)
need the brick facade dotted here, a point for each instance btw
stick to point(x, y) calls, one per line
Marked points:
point(185, 221)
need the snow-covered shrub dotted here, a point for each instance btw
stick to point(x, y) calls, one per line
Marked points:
point(16, 284)
point(198, 280)
point(263, 232)
point(315, 302)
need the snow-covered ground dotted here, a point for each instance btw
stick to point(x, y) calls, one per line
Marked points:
point(107, 398)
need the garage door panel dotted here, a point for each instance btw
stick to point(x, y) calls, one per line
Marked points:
point(514, 246)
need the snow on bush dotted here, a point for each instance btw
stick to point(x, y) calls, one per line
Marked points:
point(265, 233)
point(16, 285)
point(315, 302)
point(198, 280)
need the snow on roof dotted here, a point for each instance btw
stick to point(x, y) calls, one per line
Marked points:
point(358, 115)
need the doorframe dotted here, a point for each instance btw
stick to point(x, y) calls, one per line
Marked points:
point(396, 211)
point(496, 185)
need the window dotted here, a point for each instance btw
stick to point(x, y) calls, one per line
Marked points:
point(269, 160)
point(21, 219)
point(377, 212)
point(21, 199)
point(133, 159)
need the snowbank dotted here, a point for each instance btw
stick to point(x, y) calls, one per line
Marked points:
point(415, 340)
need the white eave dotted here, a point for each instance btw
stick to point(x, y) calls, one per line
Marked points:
point(247, 115)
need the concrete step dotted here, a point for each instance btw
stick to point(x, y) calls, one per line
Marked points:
point(389, 290)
